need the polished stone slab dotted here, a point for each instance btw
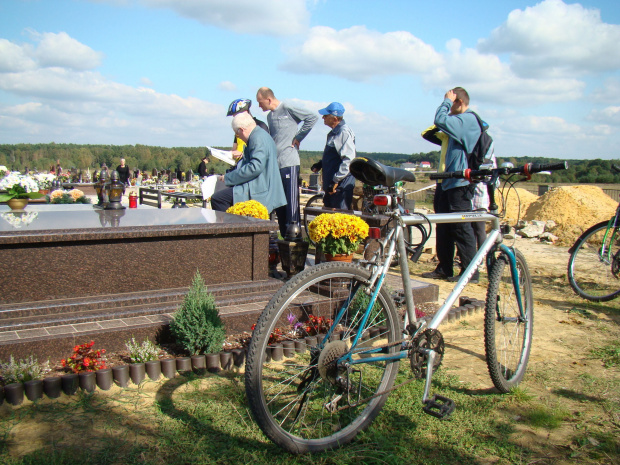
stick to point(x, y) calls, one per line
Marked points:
point(63, 254)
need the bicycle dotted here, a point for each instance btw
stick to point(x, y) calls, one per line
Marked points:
point(320, 398)
point(594, 263)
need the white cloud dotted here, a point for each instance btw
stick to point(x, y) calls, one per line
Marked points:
point(556, 39)
point(73, 105)
point(63, 51)
point(357, 53)
point(609, 92)
point(146, 82)
point(608, 116)
point(227, 86)
point(488, 79)
point(14, 57)
point(271, 17)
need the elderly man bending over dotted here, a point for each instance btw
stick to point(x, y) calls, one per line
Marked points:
point(257, 176)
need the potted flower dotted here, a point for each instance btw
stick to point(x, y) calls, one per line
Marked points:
point(18, 190)
point(250, 208)
point(338, 235)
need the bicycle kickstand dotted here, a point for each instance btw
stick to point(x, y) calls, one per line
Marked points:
point(437, 406)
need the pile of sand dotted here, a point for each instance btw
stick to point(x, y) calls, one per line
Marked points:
point(515, 198)
point(573, 208)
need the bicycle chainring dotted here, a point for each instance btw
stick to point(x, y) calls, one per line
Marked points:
point(429, 339)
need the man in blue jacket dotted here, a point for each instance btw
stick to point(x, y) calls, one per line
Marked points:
point(338, 183)
point(454, 195)
point(257, 176)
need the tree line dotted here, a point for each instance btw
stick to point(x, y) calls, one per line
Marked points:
point(41, 157)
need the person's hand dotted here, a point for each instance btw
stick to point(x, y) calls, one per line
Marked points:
point(296, 144)
point(450, 95)
point(236, 154)
point(333, 188)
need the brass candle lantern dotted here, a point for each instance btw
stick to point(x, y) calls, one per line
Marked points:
point(115, 192)
point(100, 188)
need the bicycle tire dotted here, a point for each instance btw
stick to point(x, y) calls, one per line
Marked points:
point(507, 337)
point(288, 399)
point(314, 201)
point(592, 276)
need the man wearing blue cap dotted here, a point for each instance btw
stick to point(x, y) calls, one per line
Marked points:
point(339, 151)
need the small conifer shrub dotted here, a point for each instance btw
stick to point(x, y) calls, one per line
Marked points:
point(197, 326)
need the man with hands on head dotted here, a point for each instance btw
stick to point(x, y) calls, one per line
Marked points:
point(454, 195)
point(338, 183)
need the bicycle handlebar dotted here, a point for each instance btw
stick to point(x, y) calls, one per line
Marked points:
point(528, 170)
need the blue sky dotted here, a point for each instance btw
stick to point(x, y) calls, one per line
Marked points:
point(545, 76)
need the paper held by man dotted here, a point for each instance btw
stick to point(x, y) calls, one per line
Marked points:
point(224, 155)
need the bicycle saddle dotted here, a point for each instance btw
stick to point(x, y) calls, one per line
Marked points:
point(373, 173)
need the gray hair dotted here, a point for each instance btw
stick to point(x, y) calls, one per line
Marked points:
point(242, 120)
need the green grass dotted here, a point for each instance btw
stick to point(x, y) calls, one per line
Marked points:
point(608, 354)
point(206, 420)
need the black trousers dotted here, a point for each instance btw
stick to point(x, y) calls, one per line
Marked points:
point(459, 235)
point(222, 200)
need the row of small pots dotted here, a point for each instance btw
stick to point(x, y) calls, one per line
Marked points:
point(53, 386)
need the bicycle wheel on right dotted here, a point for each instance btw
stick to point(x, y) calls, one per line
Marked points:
point(594, 264)
point(507, 333)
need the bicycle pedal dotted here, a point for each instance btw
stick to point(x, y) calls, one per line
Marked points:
point(439, 406)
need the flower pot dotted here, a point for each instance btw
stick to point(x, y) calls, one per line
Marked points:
point(88, 381)
point(288, 348)
point(14, 393)
point(121, 375)
point(213, 363)
point(341, 257)
point(153, 369)
point(300, 346)
point(238, 357)
point(226, 360)
point(104, 378)
point(70, 383)
point(34, 389)
point(137, 372)
point(184, 365)
point(168, 367)
point(311, 341)
point(52, 386)
point(277, 352)
point(199, 364)
point(17, 204)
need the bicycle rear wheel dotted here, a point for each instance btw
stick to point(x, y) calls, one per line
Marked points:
point(507, 333)
point(308, 402)
point(316, 201)
point(594, 264)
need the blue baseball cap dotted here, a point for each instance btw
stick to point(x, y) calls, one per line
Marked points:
point(333, 108)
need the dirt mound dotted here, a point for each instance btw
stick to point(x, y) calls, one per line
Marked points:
point(573, 208)
point(520, 197)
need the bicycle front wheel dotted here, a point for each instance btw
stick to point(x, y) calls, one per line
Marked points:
point(507, 332)
point(594, 264)
point(308, 402)
point(316, 201)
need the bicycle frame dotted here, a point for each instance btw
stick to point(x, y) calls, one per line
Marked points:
point(394, 241)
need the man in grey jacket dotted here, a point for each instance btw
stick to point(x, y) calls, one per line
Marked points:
point(284, 120)
point(256, 176)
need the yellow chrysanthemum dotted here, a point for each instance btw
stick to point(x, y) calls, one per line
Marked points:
point(250, 208)
point(57, 194)
point(337, 232)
